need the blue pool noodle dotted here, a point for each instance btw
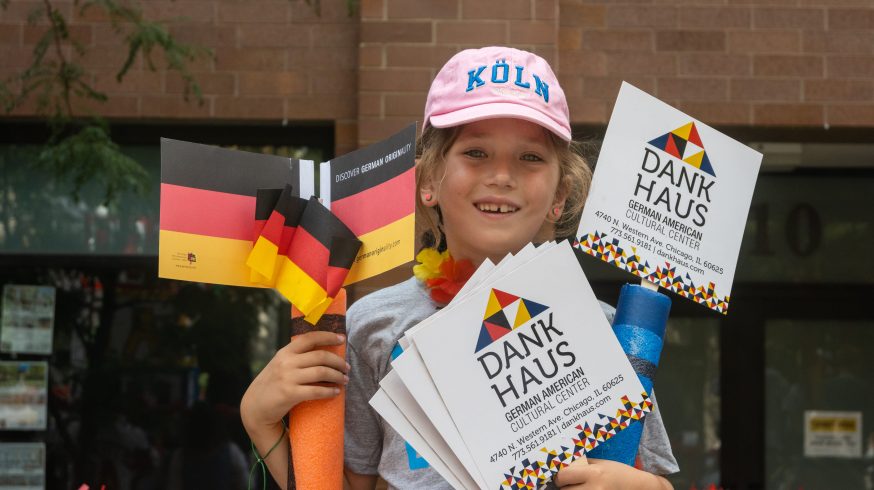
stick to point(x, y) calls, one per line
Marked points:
point(639, 324)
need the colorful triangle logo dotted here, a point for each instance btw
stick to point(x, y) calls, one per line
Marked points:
point(685, 144)
point(502, 307)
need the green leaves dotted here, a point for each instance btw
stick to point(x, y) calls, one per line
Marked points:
point(81, 150)
point(90, 156)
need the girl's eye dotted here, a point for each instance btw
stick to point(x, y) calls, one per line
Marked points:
point(531, 157)
point(475, 153)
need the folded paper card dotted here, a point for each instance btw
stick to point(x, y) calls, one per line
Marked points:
point(536, 376)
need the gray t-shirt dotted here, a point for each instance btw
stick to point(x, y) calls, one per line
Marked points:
point(374, 325)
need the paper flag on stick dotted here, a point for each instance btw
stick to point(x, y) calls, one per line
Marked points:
point(303, 251)
point(277, 214)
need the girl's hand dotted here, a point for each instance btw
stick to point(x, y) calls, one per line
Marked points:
point(601, 474)
point(289, 378)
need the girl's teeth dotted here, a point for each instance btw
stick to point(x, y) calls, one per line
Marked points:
point(497, 208)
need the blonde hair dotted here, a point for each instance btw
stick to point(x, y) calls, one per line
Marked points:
point(575, 177)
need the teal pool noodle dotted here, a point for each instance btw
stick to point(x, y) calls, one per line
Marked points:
point(639, 325)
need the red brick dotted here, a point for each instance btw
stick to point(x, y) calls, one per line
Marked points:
point(79, 33)
point(92, 13)
point(845, 42)
point(838, 90)
point(402, 32)
point(788, 66)
point(323, 11)
point(765, 90)
point(570, 38)
point(397, 79)
point(370, 130)
point(850, 67)
point(303, 107)
point(334, 82)
point(719, 112)
point(772, 3)
point(423, 9)
point(842, 19)
point(588, 111)
point(641, 16)
point(326, 58)
point(272, 83)
point(10, 35)
point(851, 114)
point(583, 63)
point(651, 64)
point(118, 106)
point(546, 9)
point(607, 88)
point(715, 64)
point(173, 11)
point(334, 35)
point(834, 3)
point(418, 56)
point(618, 40)
point(714, 18)
point(370, 104)
point(764, 42)
point(472, 32)
point(579, 15)
point(372, 9)
point(788, 114)
point(112, 59)
point(249, 108)
point(712, 89)
point(138, 82)
point(274, 36)
point(690, 41)
point(370, 56)
point(257, 59)
point(787, 18)
point(261, 12)
point(21, 11)
point(410, 105)
point(495, 9)
point(15, 57)
point(210, 83)
point(345, 136)
point(533, 32)
point(207, 35)
point(572, 85)
point(173, 106)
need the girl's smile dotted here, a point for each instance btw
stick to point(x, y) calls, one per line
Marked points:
point(497, 189)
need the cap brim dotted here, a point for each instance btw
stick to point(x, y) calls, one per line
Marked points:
point(497, 110)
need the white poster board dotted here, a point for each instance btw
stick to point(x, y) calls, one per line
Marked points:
point(832, 434)
point(669, 199)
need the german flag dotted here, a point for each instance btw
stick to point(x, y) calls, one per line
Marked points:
point(372, 191)
point(208, 199)
point(317, 262)
point(277, 215)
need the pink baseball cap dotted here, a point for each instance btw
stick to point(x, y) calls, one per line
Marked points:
point(494, 82)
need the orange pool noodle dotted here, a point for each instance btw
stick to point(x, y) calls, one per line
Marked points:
point(315, 427)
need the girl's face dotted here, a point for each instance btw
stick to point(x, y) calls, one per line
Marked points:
point(498, 189)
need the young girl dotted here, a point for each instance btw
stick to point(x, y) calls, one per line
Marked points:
point(497, 170)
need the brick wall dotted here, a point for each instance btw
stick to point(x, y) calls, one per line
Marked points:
point(739, 62)
point(274, 60)
point(762, 63)
point(404, 43)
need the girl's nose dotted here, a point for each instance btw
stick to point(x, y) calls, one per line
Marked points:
point(502, 172)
